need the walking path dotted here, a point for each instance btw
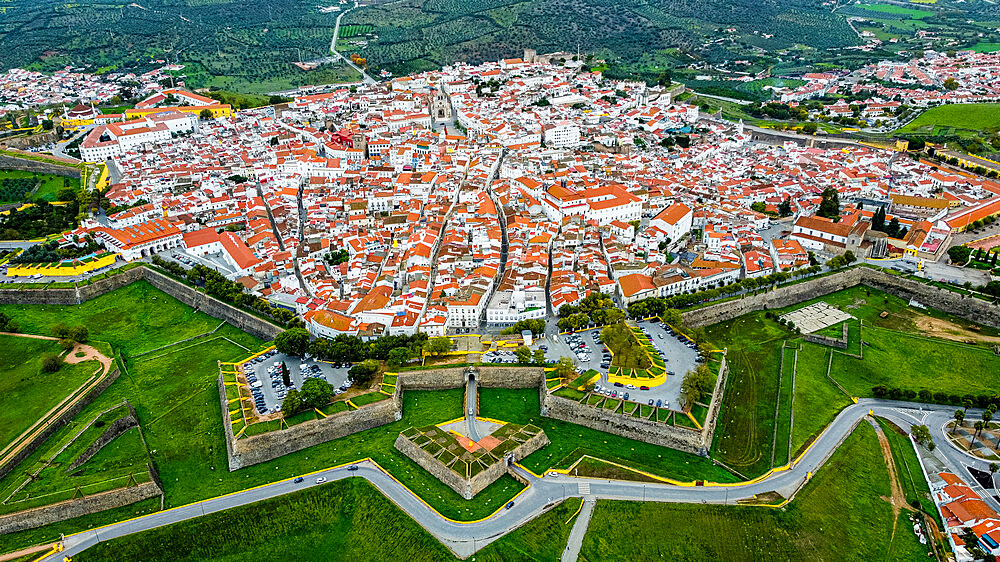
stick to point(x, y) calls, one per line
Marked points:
point(575, 541)
point(11, 450)
point(464, 539)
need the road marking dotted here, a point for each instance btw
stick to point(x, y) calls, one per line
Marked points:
point(584, 488)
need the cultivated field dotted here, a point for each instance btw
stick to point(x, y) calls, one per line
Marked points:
point(966, 119)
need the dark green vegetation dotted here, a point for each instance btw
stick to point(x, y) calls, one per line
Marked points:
point(26, 392)
point(39, 220)
point(342, 520)
point(628, 352)
point(17, 185)
point(898, 354)
point(248, 46)
point(839, 515)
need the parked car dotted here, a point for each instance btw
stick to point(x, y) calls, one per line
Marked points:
point(618, 384)
point(643, 387)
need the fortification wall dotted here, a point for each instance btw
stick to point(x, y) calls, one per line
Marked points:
point(657, 433)
point(780, 297)
point(256, 449)
point(511, 377)
point(968, 307)
point(447, 476)
point(431, 379)
point(40, 516)
point(60, 421)
point(115, 430)
point(11, 163)
point(714, 407)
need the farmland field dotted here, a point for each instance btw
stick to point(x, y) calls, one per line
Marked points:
point(840, 514)
point(965, 119)
point(48, 185)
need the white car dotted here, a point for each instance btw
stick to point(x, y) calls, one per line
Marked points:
point(320, 480)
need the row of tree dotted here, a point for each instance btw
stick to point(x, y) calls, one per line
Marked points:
point(394, 350)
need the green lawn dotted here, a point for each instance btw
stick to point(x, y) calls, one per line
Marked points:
point(817, 400)
point(986, 47)
point(342, 520)
point(27, 393)
point(744, 435)
point(783, 429)
point(839, 515)
point(898, 10)
point(911, 477)
point(962, 119)
point(569, 442)
point(133, 319)
point(902, 360)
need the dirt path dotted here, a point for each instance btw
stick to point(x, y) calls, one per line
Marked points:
point(89, 354)
point(26, 551)
point(898, 498)
point(944, 329)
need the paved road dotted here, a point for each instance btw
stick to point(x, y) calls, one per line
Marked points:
point(543, 493)
point(470, 410)
point(575, 541)
point(336, 56)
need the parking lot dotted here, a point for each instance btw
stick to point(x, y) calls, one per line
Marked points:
point(268, 388)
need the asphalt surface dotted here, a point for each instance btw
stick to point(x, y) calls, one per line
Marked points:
point(544, 492)
point(336, 376)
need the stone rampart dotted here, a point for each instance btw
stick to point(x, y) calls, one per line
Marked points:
point(431, 379)
point(649, 431)
point(511, 377)
point(60, 421)
point(40, 516)
point(212, 306)
point(467, 488)
point(114, 431)
point(188, 295)
point(714, 407)
point(778, 298)
point(11, 163)
point(964, 306)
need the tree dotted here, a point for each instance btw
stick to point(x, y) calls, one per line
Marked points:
point(364, 372)
point(292, 403)
point(979, 427)
point(538, 356)
point(785, 207)
point(696, 385)
point(79, 334)
point(994, 467)
point(294, 341)
point(60, 330)
point(523, 354)
point(51, 362)
point(205, 114)
point(921, 434)
point(829, 207)
point(565, 368)
point(438, 345)
point(67, 344)
point(398, 356)
point(286, 376)
point(759, 206)
point(810, 128)
point(950, 83)
point(316, 392)
point(959, 419)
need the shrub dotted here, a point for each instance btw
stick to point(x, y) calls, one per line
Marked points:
point(51, 363)
point(79, 334)
point(67, 344)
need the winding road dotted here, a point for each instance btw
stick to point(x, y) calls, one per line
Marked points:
point(544, 492)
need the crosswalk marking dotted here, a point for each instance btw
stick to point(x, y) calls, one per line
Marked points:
point(584, 488)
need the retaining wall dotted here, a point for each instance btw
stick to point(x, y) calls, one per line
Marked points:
point(714, 407)
point(968, 307)
point(115, 430)
point(184, 293)
point(778, 298)
point(39, 516)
